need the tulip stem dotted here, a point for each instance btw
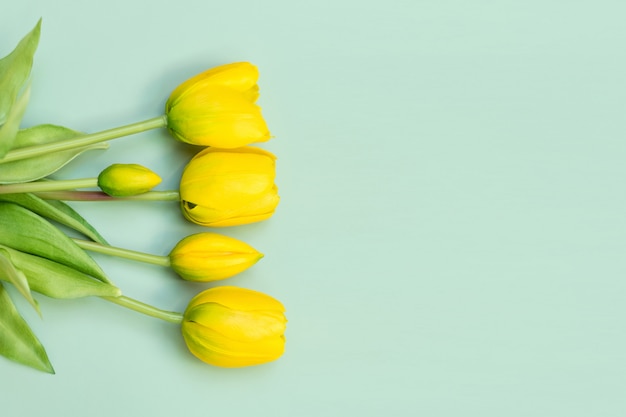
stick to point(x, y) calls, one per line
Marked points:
point(84, 140)
point(39, 186)
point(147, 309)
point(171, 195)
point(123, 253)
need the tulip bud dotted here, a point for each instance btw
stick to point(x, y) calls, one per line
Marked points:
point(216, 108)
point(122, 180)
point(234, 327)
point(207, 257)
point(229, 187)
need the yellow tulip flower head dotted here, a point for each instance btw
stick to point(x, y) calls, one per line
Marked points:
point(234, 327)
point(207, 257)
point(229, 187)
point(217, 108)
point(121, 180)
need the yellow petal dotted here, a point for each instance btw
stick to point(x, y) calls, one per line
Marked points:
point(216, 349)
point(243, 326)
point(240, 76)
point(255, 211)
point(238, 299)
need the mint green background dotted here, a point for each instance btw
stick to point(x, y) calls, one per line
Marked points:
point(451, 235)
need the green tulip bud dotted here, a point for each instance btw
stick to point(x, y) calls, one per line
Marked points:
point(123, 180)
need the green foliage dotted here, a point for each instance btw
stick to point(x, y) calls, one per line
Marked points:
point(57, 211)
point(25, 231)
point(8, 131)
point(17, 340)
point(38, 167)
point(14, 72)
point(56, 280)
point(9, 272)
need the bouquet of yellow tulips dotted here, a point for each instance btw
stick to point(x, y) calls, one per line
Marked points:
point(228, 183)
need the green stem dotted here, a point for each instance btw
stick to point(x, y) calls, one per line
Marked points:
point(42, 186)
point(123, 253)
point(100, 196)
point(84, 140)
point(147, 309)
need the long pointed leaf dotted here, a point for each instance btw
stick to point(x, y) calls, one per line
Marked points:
point(10, 273)
point(57, 211)
point(8, 131)
point(17, 340)
point(38, 167)
point(72, 219)
point(15, 70)
point(25, 231)
point(58, 281)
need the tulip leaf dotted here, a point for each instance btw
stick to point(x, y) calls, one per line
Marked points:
point(58, 281)
point(8, 131)
point(37, 167)
point(15, 69)
point(17, 341)
point(26, 231)
point(64, 214)
point(57, 211)
point(10, 273)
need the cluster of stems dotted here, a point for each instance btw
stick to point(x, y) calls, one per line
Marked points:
point(67, 190)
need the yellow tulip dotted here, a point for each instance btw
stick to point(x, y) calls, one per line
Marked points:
point(229, 187)
point(217, 108)
point(207, 257)
point(234, 327)
point(120, 180)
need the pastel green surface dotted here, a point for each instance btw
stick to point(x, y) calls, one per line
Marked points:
point(451, 233)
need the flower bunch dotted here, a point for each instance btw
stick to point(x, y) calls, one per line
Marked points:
point(228, 183)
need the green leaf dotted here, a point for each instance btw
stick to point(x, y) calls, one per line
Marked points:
point(25, 231)
point(15, 70)
point(17, 340)
point(10, 273)
point(38, 167)
point(8, 131)
point(57, 211)
point(58, 281)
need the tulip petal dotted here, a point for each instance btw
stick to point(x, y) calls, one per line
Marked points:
point(238, 298)
point(244, 150)
point(224, 178)
point(215, 349)
point(255, 211)
point(243, 326)
point(239, 76)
